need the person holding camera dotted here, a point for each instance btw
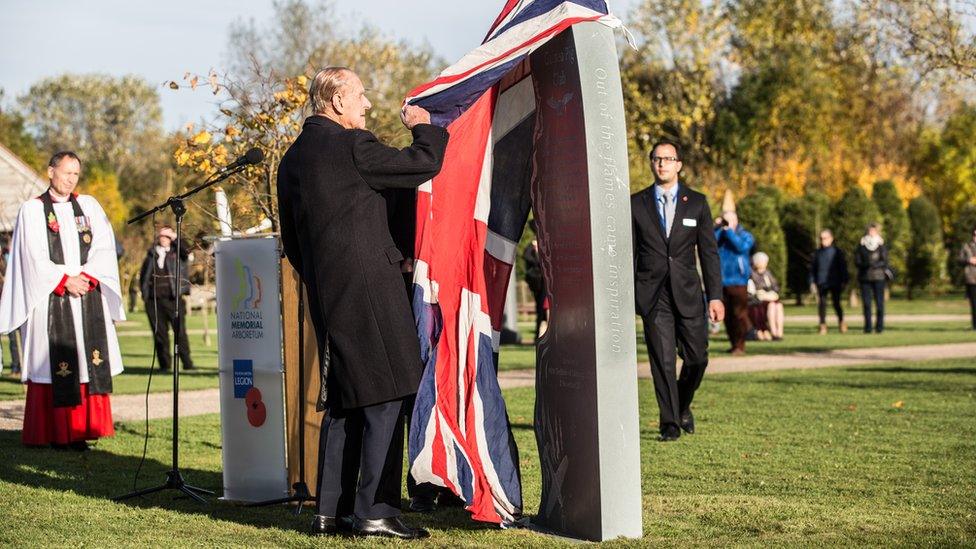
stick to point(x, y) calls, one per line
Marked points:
point(734, 246)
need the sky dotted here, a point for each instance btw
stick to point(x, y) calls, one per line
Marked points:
point(162, 40)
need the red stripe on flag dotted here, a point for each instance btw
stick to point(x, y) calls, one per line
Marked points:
point(509, 6)
point(497, 274)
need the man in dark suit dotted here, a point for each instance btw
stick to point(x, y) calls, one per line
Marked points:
point(334, 231)
point(672, 225)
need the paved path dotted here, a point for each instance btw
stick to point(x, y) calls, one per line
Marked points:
point(207, 401)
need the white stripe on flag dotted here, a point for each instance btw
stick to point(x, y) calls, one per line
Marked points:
point(482, 204)
point(513, 106)
point(500, 247)
point(490, 52)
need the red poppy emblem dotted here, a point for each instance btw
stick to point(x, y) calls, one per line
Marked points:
point(52, 223)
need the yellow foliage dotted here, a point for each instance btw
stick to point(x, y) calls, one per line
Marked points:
point(104, 186)
point(201, 138)
point(791, 175)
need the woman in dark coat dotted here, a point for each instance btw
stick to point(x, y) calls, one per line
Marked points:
point(871, 259)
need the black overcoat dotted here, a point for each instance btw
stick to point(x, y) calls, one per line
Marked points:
point(658, 258)
point(334, 231)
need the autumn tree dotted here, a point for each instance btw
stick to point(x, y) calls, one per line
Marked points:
point(673, 81)
point(112, 122)
point(264, 97)
point(936, 34)
point(946, 163)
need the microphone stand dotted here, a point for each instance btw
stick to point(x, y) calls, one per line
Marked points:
point(174, 478)
point(301, 492)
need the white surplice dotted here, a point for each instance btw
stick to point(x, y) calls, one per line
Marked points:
point(31, 277)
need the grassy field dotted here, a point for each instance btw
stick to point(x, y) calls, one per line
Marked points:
point(138, 349)
point(946, 305)
point(846, 456)
point(799, 338)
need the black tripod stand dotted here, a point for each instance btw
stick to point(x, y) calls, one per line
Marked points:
point(301, 493)
point(174, 479)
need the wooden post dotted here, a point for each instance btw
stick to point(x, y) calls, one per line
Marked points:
point(312, 419)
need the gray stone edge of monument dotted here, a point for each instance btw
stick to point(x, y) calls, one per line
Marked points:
point(616, 357)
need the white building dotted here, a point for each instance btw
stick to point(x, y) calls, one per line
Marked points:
point(18, 183)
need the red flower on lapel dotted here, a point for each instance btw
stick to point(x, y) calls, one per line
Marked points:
point(52, 223)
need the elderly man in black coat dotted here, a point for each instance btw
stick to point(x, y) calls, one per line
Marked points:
point(334, 231)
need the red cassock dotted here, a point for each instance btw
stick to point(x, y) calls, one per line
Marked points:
point(44, 424)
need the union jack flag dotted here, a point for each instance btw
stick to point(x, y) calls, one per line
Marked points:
point(469, 220)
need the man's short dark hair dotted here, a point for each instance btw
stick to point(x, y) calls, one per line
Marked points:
point(61, 155)
point(677, 148)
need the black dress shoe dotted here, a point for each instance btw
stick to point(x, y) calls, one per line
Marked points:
point(325, 526)
point(388, 527)
point(688, 422)
point(669, 434)
point(422, 504)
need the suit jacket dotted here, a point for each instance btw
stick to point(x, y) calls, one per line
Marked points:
point(334, 230)
point(658, 258)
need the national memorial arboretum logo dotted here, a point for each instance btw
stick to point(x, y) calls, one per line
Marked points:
point(246, 319)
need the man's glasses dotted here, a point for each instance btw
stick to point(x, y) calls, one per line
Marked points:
point(663, 160)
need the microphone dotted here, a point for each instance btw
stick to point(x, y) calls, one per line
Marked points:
point(252, 156)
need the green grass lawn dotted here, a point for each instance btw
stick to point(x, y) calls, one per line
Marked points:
point(946, 305)
point(137, 351)
point(872, 455)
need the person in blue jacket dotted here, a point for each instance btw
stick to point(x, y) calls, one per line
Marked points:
point(734, 250)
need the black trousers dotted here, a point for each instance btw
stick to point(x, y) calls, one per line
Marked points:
point(971, 294)
point(361, 461)
point(834, 294)
point(873, 291)
point(669, 335)
point(162, 317)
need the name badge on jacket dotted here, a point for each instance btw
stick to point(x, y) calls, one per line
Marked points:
point(689, 222)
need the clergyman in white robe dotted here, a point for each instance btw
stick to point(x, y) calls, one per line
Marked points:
point(31, 277)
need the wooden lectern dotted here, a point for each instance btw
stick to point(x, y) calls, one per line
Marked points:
point(312, 418)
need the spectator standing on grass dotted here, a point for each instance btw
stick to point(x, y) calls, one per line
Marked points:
point(765, 307)
point(873, 270)
point(157, 281)
point(967, 257)
point(829, 277)
point(734, 245)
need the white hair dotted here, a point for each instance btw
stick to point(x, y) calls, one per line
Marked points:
point(760, 258)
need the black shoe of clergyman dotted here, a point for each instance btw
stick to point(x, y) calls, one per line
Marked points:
point(422, 504)
point(669, 434)
point(324, 526)
point(688, 422)
point(387, 527)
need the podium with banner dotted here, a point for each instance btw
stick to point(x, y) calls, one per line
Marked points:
point(250, 365)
